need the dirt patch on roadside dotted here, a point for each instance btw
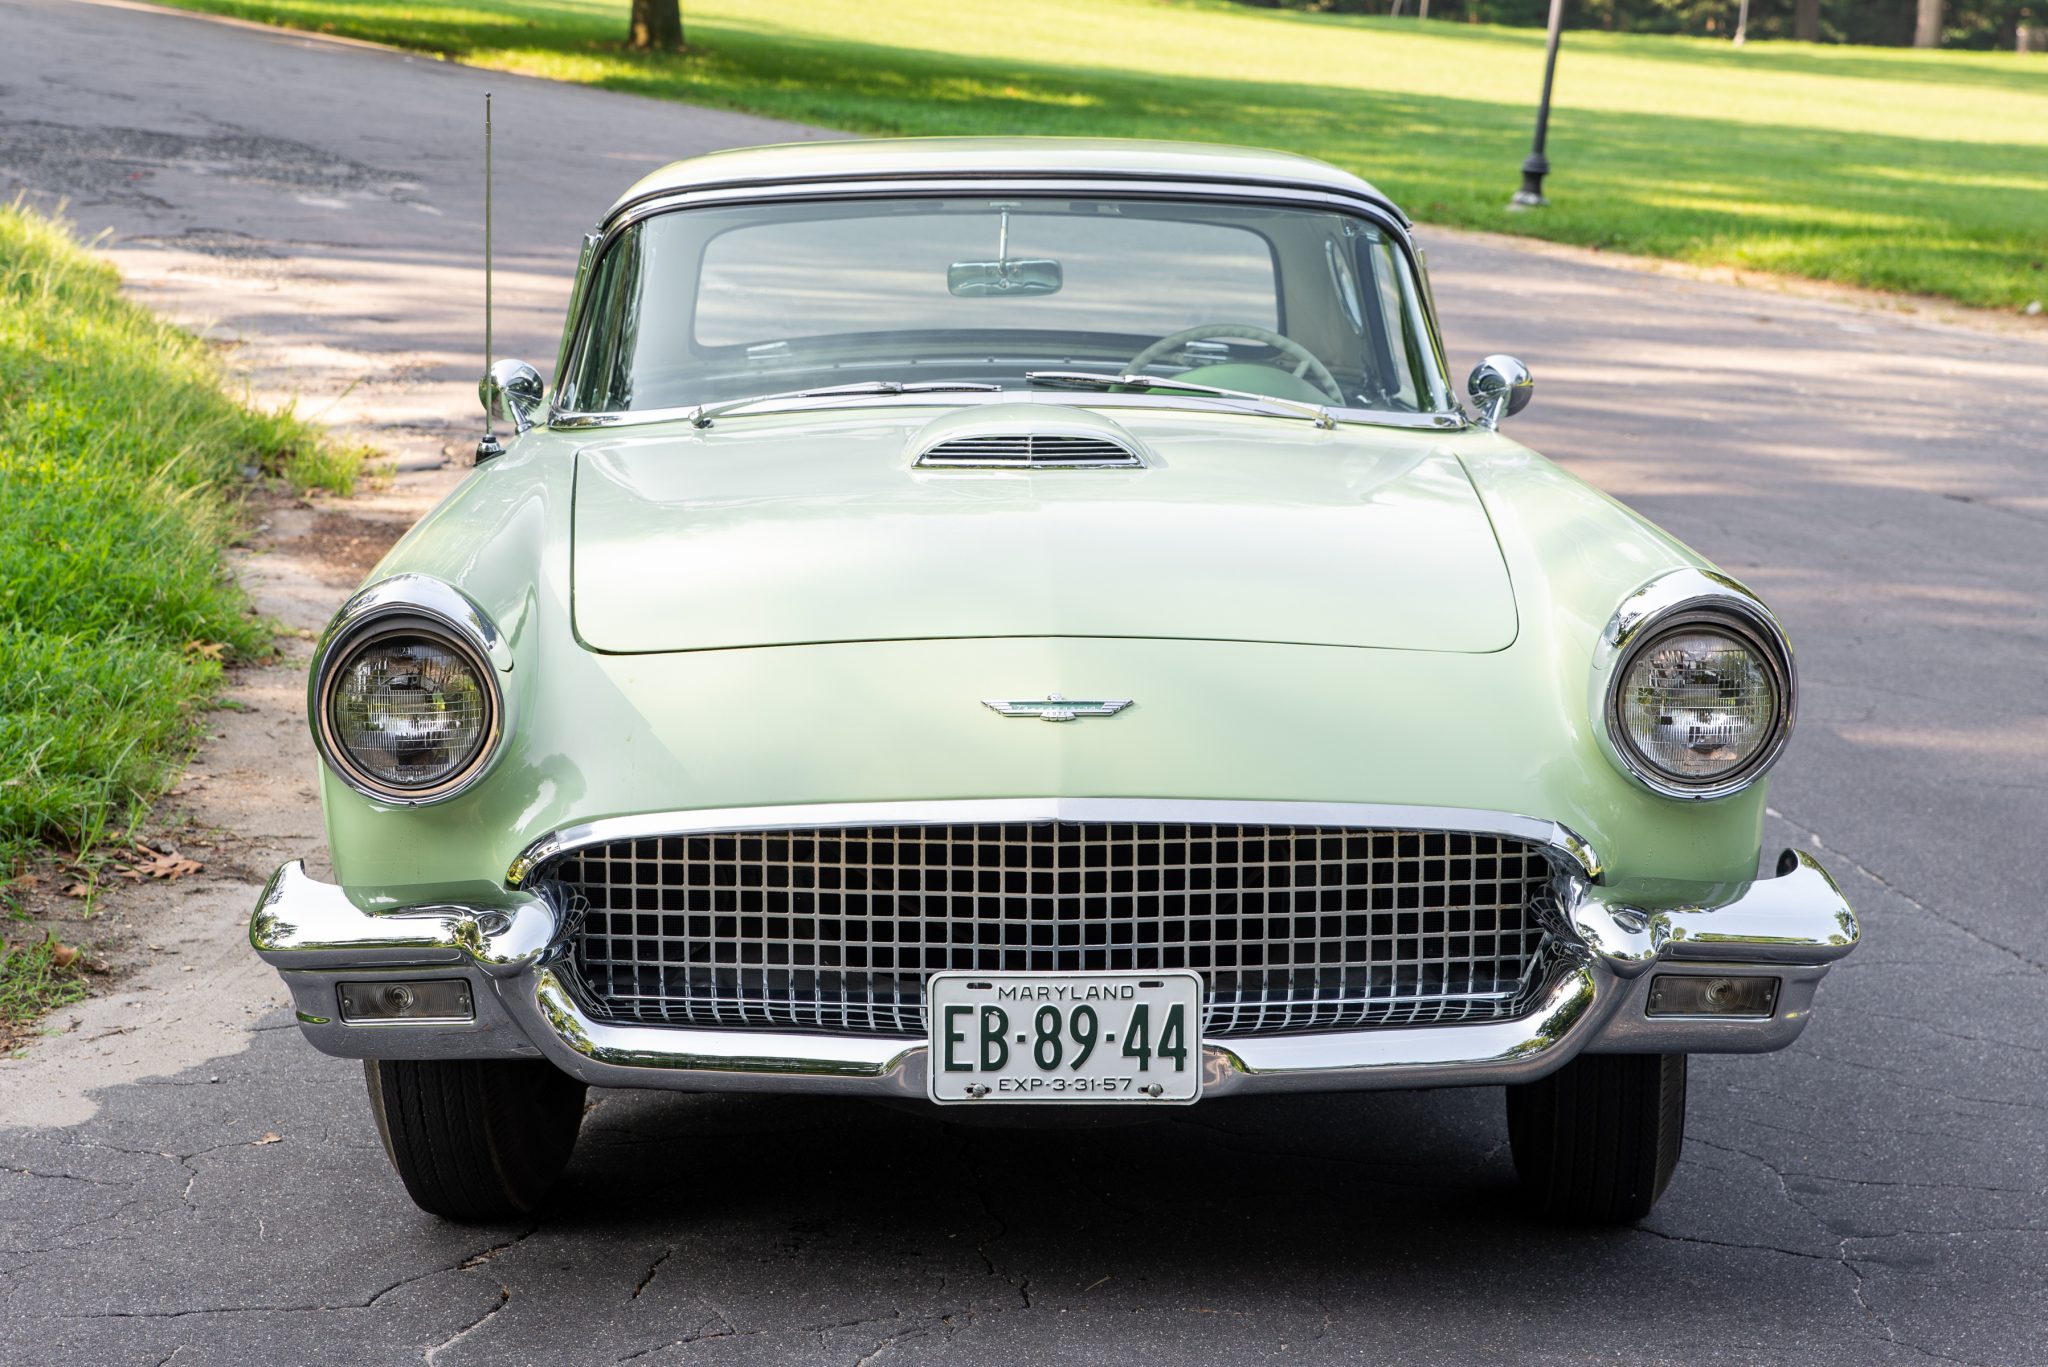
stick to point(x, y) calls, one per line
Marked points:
point(109, 905)
point(345, 547)
point(174, 981)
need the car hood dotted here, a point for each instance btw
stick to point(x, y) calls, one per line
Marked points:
point(803, 528)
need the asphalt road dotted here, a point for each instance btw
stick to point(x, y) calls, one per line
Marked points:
point(1877, 1194)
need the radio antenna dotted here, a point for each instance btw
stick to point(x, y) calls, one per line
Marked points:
point(490, 445)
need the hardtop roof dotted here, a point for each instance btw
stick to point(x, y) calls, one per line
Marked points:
point(942, 158)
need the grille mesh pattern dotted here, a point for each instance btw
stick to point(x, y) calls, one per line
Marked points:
point(1291, 928)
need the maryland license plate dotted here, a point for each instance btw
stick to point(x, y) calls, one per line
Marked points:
point(1100, 1037)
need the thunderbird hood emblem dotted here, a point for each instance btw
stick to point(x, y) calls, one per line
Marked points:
point(1053, 707)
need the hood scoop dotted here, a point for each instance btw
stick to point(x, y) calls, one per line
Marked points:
point(1025, 437)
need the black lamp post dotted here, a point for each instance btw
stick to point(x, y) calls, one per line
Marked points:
point(1537, 166)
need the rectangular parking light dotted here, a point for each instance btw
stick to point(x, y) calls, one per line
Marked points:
point(432, 999)
point(1702, 994)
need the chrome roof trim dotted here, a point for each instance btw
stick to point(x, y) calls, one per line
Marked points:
point(868, 181)
point(992, 811)
point(924, 185)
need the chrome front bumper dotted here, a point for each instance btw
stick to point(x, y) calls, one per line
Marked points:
point(1791, 927)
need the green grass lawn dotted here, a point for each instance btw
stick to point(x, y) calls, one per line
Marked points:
point(1902, 170)
point(119, 450)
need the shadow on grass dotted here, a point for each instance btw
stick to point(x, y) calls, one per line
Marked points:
point(1849, 206)
point(1970, 72)
point(1917, 214)
point(1973, 72)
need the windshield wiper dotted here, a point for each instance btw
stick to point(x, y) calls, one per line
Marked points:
point(1089, 379)
point(703, 413)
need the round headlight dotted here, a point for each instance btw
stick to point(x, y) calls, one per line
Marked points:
point(408, 714)
point(1700, 707)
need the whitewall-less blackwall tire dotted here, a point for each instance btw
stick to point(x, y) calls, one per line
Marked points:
point(1596, 1141)
point(476, 1139)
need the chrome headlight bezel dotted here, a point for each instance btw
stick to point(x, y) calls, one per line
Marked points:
point(413, 605)
point(1691, 599)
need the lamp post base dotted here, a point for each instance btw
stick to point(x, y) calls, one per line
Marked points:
point(1527, 199)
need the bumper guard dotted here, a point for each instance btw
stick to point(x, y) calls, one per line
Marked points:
point(1791, 927)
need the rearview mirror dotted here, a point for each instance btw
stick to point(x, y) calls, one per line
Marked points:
point(512, 392)
point(1500, 388)
point(1017, 275)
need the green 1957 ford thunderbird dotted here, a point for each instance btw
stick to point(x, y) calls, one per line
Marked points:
point(1030, 624)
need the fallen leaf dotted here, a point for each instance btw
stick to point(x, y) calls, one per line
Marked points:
point(269, 1137)
point(169, 865)
point(78, 890)
point(212, 650)
point(61, 954)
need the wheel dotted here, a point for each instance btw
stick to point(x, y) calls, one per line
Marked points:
point(1596, 1141)
point(475, 1139)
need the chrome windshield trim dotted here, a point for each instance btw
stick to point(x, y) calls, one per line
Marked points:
point(1372, 207)
point(1186, 401)
point(993, 811)
point(585, 259)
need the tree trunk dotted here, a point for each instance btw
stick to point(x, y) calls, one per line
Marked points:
point(1927, 28)
point(1806, 21)
point(657, 26)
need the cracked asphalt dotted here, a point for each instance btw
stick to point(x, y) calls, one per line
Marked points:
point(1876, 1194)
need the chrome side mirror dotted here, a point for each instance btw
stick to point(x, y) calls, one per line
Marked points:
point(512, 392)
point(1500, 388)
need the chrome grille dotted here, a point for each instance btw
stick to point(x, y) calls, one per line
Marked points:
point(1031, 451)
point(1291, 928)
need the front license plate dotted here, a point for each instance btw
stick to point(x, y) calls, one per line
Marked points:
point(1101, 1037)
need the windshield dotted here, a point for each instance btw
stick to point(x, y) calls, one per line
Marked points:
point(702, 306)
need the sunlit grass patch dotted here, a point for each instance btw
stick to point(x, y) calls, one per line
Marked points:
point(1872, 160)
point(119, 445)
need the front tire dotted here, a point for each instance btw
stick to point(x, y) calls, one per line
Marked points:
point(1596, 1141)
point(475, 1139)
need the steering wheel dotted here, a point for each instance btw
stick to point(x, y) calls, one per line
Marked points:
point(1309, 368)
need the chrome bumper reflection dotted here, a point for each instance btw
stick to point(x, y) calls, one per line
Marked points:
point(1791, 927)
